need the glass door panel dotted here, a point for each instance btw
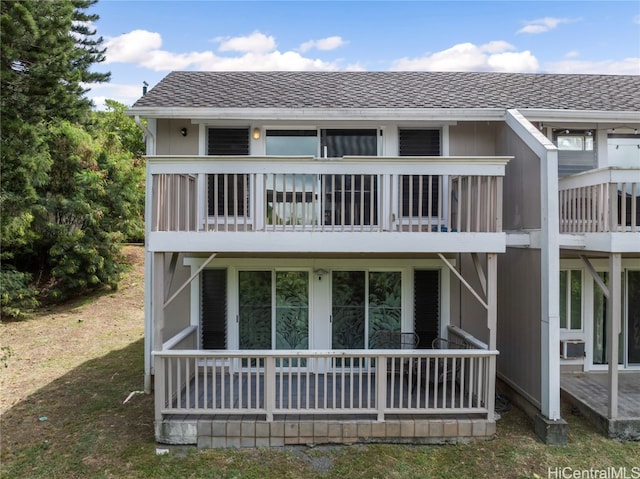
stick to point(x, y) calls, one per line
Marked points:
point(600, 353)
point(633, 317)
point(385, 303)
point(292, 199)
point(254, 297)
point(292, 310)
point(348, 309)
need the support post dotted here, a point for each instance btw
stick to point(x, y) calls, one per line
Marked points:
point(158, 332)
point(614, 313)
point(269, 386)
point(492, 321)
point(381, 386)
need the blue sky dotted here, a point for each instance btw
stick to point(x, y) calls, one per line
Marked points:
point(147, 39)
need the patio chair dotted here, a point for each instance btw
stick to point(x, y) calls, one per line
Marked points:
point(394, 340)
point(441, 373)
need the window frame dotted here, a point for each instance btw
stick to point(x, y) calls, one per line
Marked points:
point(568, 307)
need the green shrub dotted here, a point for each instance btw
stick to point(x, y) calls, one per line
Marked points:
point(17, 297)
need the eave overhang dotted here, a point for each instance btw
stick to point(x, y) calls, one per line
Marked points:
point(574, 116)
point(319, 114)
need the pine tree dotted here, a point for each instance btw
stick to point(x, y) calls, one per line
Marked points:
point(46, 51)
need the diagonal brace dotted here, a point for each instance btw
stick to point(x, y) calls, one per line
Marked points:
point(467, 285)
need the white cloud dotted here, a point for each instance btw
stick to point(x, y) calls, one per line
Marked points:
point(572, 54)
point(325, 44)
point(252, 52)
point(523, 62)
point(132, 47)
point(99, 92)
point(636, 19)
point(255, 43)
point(492, 56)
point(542, 25)
point(626, 66)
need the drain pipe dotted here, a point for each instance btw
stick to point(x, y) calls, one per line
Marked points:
point(151, 146)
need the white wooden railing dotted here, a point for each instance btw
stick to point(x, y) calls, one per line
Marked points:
point(600, 201)
point(349, 382)
point(373, 194)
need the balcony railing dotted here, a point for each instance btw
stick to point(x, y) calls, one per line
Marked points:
point(347, 382)
point(431, 194)
point(600, 201)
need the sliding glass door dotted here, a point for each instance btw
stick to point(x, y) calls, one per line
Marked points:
point(273, 309)
point(629, 338)
point(363, 304)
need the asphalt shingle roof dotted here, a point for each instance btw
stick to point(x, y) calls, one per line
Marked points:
point(473, 90)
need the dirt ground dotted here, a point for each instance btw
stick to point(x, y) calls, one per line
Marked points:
point(63, 337)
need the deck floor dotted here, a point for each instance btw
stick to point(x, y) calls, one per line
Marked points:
point(318, 391)
point(589, 391)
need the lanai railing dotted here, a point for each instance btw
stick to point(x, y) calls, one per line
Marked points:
point(338, 382)
point(244, 194)
point(600, 201)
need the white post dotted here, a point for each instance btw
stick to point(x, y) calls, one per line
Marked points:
point(159, 385)
point(381, 386)
point(492, 320)
point(269, 386)
point(614, 313)
point(550, 279)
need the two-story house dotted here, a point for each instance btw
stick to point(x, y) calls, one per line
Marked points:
point(339, 256)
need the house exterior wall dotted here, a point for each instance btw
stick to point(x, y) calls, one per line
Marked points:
point(462, 139)
point(171, 142)
point(477, 138)
point(466, 312)
point(519, 272)
point(178, 312)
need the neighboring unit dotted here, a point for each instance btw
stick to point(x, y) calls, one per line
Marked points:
point(357, 256)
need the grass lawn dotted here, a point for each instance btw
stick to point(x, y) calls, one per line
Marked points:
point(72, 367)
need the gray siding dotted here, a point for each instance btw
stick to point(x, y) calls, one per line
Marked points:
point(476, 138)
point(519, 295)
point(177, 314)
point(169, 140)
point(521, 208)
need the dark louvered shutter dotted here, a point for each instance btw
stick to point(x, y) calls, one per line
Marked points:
point(419, 143)
point(214, 309)
point(228, 142)
point(426, 294)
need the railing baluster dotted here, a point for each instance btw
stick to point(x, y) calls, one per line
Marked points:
point(410, 196)
point(420, 200)
point(634, 208)
point(623, 206)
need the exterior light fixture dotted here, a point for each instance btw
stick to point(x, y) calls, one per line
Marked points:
point(183, 132)
point(256, 134)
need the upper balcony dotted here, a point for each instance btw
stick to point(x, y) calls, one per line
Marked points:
point(308, 205)
point(602, 208)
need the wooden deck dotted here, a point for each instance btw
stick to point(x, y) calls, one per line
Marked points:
point(589, 392)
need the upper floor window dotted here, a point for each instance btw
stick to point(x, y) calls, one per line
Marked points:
point(415, 190)
point(571, 140)
point(325, 143)
point(292, 142)
point(228, 194)
point(576, 151)
point(336, 143)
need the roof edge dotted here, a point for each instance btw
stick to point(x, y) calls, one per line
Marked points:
point(317, 114)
